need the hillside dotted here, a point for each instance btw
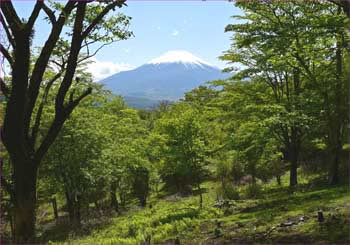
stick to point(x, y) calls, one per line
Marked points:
point(140, 102)
point(177, 150)
point(274, 216)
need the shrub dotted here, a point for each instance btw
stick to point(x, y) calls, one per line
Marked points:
point(227, 191)
point(253, 191)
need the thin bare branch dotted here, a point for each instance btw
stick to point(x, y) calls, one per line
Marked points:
point(49, 14)
point(7, 30)
point(11, 16)
point(75, 102)
point(6, 54)
point(36, 126)
point(60, 65)
point(96, 51)
point(73, 57)
point(34, 15)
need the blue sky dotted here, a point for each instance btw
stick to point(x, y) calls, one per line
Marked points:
point(160, 26)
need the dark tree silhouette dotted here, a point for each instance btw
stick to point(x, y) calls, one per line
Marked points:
point(21, 124)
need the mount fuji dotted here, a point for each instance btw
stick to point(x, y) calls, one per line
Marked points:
point(167, 77)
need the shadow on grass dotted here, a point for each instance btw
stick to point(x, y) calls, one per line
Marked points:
point(63, 229)
point(332, 231)
point(282, 200)
point(166, 193)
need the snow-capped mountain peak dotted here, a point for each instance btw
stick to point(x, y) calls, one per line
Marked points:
point(179, 56)
point(167, 77)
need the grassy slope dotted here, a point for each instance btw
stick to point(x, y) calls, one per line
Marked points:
point(246, 221)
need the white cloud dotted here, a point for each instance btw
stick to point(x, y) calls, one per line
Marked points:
point(158, 27)
point(102, 69)
point(175, 33)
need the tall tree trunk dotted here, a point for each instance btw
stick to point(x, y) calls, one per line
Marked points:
point(77, 213)
point(54, 207)
point(73, 204)
point(335, 145)
point(200, 196)
point(334, 171)
point(337, 122)
point(293, 159)
point(122, 198)
point(114, 201)
point(293, 178)
point(295, 136)
point(278, 178)
point(143, 201)
point(15, 141)
point(69, 205)
point(25, 175)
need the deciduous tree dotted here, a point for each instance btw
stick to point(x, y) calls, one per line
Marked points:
point(87, 23)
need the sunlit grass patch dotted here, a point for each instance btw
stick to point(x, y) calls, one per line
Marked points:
point(244, 221)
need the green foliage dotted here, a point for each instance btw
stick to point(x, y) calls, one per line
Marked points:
point(184, 149)
point(71, 159)
point(295, 51)
point(140, 183)
point(227, 191)
point(111, 28)
point(125, 155)
point(253, 191)
point(284, 109)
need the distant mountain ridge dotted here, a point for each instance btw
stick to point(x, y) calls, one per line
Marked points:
point(167, 77)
